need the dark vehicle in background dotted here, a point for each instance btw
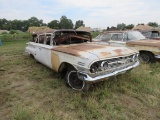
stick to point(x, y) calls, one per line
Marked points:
point(149, 49)
point(151, 34)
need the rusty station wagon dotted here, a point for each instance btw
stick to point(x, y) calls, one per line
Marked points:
point(149, 49)
point(83, 63)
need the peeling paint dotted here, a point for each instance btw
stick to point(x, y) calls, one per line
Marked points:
point(55, 61)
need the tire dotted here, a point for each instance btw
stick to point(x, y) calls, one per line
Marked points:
point(74, 82)
point(31, 55)
point(146, 57)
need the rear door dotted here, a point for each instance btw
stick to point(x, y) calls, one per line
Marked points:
point(43, 51)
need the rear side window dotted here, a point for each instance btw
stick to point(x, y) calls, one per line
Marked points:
point(154, 34)
point(41, 39)
point(48, 39)
point(117, 37)
point(146, 34)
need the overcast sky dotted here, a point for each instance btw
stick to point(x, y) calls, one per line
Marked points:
point(94, 13)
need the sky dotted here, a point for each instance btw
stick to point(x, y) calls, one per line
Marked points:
point(94, 13)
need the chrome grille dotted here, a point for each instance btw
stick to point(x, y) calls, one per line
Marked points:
point(116, 62)
point(113, 63)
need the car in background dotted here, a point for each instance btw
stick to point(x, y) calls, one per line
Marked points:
point(72, 53)
point(149, 49)
point(103, 37)
point(151, 34)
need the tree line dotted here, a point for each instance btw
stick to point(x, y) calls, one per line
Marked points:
point(63, 23)
point(130, 26)
point(23, 25)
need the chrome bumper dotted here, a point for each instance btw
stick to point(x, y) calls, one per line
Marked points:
point(87, 78)
point(157, 56)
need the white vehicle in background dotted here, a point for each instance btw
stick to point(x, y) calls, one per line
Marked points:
point(83, 62)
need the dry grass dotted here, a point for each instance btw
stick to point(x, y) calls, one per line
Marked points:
point(31, 91)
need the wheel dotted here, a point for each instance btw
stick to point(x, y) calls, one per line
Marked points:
point(146, 57)
point(74, 82)
point(31, 55)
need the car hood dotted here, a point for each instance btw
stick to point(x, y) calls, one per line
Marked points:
point(88, 50)
point(151, 42)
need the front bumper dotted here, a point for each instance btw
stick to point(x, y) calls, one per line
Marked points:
point(87, 78)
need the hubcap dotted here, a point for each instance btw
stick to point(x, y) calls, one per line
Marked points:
point(145, 58)
point(74, 81)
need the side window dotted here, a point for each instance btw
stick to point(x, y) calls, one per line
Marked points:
point(105, 37)
point(146, 34)
point(41, 39)
point(117, 37)
point(48, 39)
point(154, 34)
point(125, 37)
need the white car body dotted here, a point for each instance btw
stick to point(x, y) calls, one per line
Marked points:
point(83, 57)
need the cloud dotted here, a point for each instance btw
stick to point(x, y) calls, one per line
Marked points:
point(97, 13)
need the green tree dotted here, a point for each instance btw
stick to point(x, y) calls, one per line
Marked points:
point(3, 24)
point(25, 25)
point(16, 24)
point(129, 26)
point(121, 26)
point(153, 24)
point(65, 23)
point(54, 24)
point(33, 21)
point(79, 23)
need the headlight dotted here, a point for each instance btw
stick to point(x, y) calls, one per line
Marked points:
point(135, 57)
point(99, 66)
point(104, 65)
point(94, 68)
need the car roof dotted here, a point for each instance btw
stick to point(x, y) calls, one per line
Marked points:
point(118, 32)
point(148, 30)
point(60, 30)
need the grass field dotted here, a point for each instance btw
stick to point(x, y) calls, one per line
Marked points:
point(31, 91)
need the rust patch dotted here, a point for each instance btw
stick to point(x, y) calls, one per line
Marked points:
point(87, 47)
point(118, 51)
point(153, 43)
point(66, 50)
point(76, 49)
point(105, 54)
point(55, 61)
point(84, 50)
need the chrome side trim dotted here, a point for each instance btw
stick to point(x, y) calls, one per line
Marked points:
point(157, 56)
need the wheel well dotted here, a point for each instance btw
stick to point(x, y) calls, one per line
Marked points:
point(143, 51)
point(31, 55)
point(64, 67)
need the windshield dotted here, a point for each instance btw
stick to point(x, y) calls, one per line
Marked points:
point(71, 37)
point(134, 35)
point(103, 37)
